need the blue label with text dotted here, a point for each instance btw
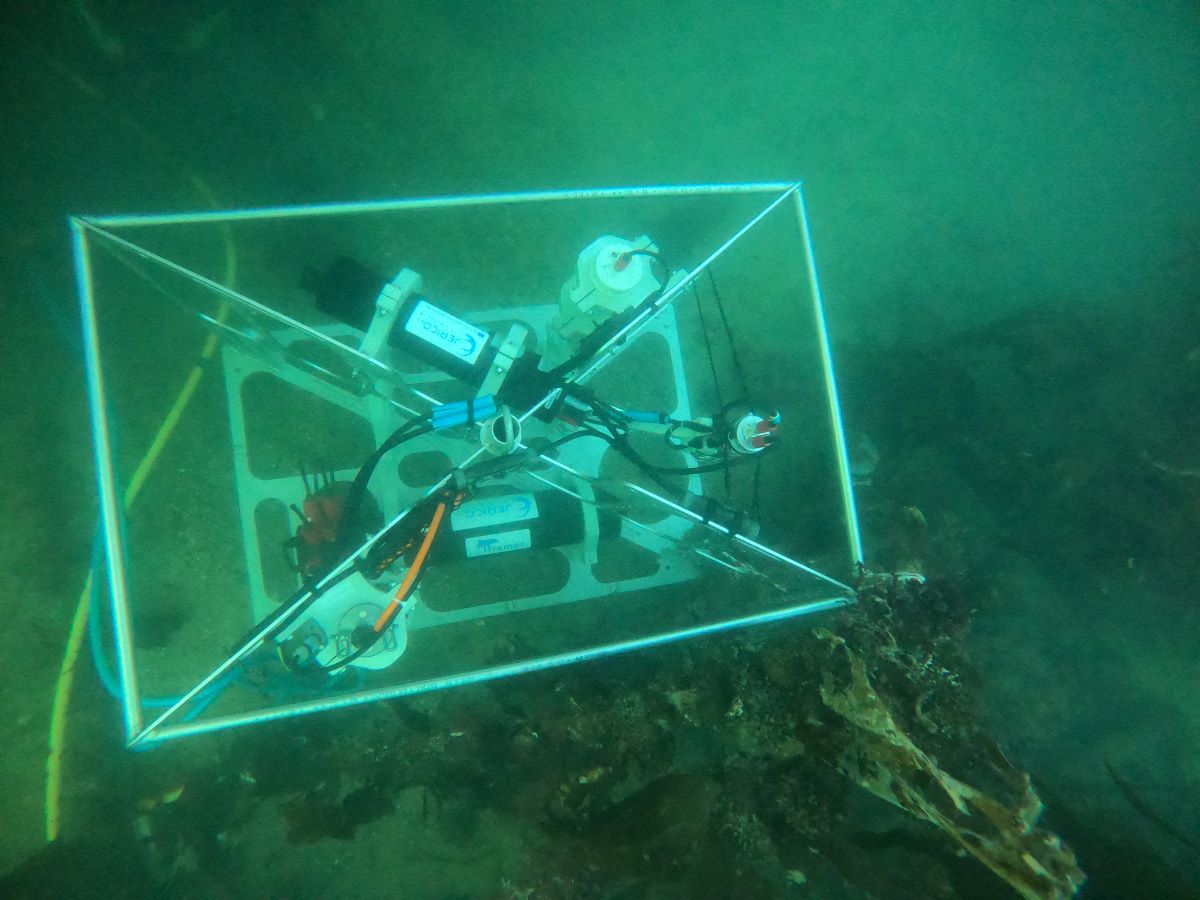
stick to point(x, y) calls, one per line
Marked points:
point(491, 511)
point(446, 332)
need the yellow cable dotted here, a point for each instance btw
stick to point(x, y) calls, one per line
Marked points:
point(66, 671)
point(58, 712)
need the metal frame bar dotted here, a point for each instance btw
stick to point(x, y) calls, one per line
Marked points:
point(367, 206)
point(849, 507)
point(156, 731)
point(110, 500)
point(479, 676)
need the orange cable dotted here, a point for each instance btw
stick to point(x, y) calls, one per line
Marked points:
point(414, 570)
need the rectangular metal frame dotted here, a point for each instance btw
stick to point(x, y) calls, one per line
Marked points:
point(110, 499)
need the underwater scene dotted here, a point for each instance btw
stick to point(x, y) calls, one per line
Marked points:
point(581, 451)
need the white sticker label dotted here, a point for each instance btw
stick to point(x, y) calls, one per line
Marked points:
point(446, 332)
point(503, 542)
point(492, 511)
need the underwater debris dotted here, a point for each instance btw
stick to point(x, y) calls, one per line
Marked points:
point(883, 758)
point(642, 783)
point(658, 829)
point(308, 818)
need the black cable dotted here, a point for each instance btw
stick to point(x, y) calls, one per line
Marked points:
point(620, 442)
point(359, 651)
point(308, 593)
point(737, 365)
point(755, 506)
point(573, 436)
point(358, 488)
point(657, 257)
point(737, 362)
point(712, 363)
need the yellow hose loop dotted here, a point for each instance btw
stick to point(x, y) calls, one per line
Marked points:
point(66, 671)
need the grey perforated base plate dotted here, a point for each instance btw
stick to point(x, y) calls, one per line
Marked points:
point(269, 448)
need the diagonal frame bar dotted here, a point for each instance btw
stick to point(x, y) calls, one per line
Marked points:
point(849, 507)
point(493, 673)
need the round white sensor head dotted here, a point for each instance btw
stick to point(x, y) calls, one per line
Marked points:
point(617, 269)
